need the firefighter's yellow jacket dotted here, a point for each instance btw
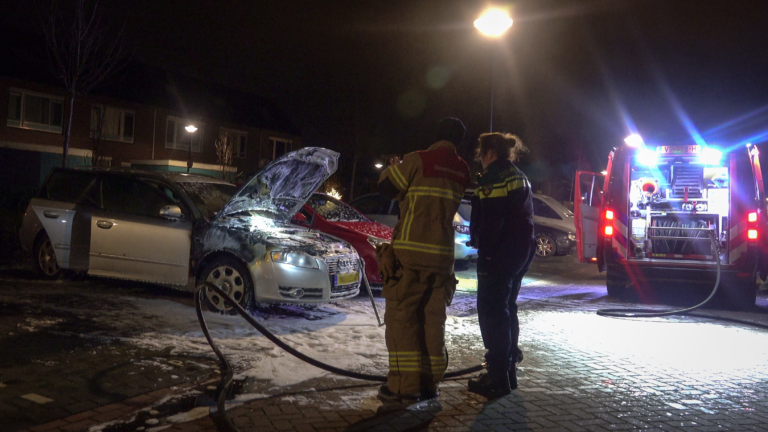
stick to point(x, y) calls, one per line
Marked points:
point(430, 185)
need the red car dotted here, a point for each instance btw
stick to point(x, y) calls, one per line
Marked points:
point(331, 216)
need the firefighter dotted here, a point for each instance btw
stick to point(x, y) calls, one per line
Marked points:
point(502, 229)
point(418, 266)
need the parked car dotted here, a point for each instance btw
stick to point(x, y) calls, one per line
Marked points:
point(327, 214)
point(178, 229)
point(554, 227)
point(385, 211)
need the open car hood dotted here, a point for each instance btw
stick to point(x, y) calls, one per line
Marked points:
point(279, 189)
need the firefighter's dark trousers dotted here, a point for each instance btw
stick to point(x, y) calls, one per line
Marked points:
point(415, 333)
point(497, 289)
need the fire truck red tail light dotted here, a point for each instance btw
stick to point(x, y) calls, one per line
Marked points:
point(752, 234)
point(609, 230)
point(752, 217)
point(609, 215)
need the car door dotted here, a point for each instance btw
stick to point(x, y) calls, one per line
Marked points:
point(129, 237)
point(63, 207)
point(587, 203)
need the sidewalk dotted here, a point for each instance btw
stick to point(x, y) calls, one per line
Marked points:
point(582, 373)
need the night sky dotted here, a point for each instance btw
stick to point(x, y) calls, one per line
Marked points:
point(569, 76)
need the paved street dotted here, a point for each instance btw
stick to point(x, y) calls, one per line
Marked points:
point(101, 355)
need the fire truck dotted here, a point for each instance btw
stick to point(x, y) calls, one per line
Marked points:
point(662, 215)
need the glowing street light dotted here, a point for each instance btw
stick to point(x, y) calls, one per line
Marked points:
point(191, 129)
point(493, 23)
point(378, 165)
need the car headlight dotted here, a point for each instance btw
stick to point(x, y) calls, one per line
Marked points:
point(294, 259)
point(376, 242)
point(462, 229)
point(571, 236)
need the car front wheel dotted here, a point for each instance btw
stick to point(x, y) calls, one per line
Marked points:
point(230, 276)
point(545, 245)
point(46, 264)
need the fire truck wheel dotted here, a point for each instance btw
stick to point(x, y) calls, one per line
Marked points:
point(616, 288)
point(738, 297)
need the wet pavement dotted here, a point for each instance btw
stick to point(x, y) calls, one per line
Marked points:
point(66, 367)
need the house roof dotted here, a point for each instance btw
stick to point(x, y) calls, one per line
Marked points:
point(23, 57)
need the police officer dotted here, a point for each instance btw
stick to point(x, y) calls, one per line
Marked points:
point(502, 229)
point(418, 266)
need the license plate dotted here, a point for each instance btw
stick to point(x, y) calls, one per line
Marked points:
point(347, 278)
point(686, 149)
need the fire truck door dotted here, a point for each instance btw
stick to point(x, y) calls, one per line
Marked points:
point(587, 202)
point(762, 208)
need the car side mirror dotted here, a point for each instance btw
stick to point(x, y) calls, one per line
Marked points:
point(171, 212)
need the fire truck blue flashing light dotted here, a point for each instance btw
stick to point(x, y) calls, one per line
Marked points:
point(634, 140)
point(710, 156)
point(646, 157)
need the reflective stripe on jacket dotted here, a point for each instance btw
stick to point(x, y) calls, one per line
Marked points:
point(431, 184)
point(502, 212)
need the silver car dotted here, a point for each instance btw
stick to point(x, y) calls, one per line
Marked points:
point(179, 229)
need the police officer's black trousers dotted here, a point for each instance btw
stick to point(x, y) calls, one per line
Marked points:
point(497, 289)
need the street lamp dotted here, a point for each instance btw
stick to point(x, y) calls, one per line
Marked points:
point(378, 165)
point(493, 23)
point(191, 129)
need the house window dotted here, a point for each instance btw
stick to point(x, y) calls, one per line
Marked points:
point(280, 147)
point(35, 111)
point(238, 139)
point(112, 123)
point(176, 137)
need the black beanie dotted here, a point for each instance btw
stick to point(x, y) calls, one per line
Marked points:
point(451, 129)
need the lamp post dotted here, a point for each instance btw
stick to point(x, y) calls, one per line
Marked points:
point(191, 129)
point(493, 23)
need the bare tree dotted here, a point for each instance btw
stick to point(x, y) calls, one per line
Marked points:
point(224, 153)
point(97, 136)
point(82, 49)
point(359, 130)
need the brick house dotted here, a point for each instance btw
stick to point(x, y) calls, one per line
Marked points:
point(138, 122)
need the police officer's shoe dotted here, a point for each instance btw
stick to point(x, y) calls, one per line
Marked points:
point(387, 395)
point(490, 387)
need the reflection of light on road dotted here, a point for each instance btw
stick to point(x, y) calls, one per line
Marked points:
point(470, 285)
point(688, 346)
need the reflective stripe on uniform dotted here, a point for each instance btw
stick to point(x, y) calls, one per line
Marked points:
point(435, 192)
point(397, 176)
point(423, 247)
point(434, 365)
point(408, 218)
point(405, 361)
point(503, 188)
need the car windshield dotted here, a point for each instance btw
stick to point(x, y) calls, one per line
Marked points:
point(335, 211)
point(209, 198)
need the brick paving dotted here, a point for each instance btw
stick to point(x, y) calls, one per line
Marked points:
point(582, 373)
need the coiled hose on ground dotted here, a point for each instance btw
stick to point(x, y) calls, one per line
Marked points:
point(226, 368)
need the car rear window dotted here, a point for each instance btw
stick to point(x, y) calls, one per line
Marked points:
point(70, 186)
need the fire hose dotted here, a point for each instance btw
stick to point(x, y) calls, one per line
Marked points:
point(227, 371)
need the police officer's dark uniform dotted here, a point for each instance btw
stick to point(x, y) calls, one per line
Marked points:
point(502, 229)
